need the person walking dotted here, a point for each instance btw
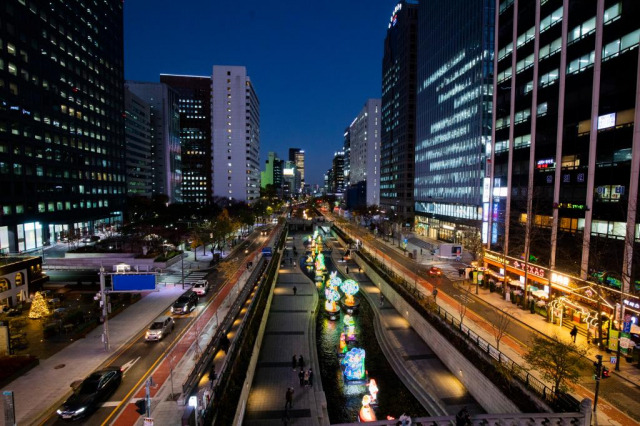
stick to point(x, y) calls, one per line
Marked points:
point(310, 377)
point(306, 378)
point(347, 270)
point(294, 362)
point(301, 377)
point(381, 299)
point(295, 290)
point(300, 361)
point(289, 398)
point(574, 333)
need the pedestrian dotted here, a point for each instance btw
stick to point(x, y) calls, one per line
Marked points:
point(294, 362)
point(300, 361)
point(381, 299)
point(212, 373)
point(574, 333)
point(295, 290)
point(463, 418)
point(360, 269)
point(301, 377)
point(306, 378)
point(289, 398)
point(347, 270)
point(420, 251)
point(310, 378)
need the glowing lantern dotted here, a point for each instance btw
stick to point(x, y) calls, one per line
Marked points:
point(353, 363)
point(335, 281)
point(349, 288)
point(342, 347)
point(366, 412)
point(373, 390)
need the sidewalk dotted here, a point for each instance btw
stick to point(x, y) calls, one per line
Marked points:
point(606, 414)
point(290, 331)
point(438, 390)
point(51, 378)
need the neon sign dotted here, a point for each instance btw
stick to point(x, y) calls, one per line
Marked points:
point(394, 16)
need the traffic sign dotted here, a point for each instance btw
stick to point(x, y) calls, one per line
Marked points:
point(626, 327)
point(613, 360)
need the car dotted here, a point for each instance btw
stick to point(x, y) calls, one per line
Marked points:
point(159, 328)
point(435, 271)
point(201, 287)
point(185, 303)
point(93, 390)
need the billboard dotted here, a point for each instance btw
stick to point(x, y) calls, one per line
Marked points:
point(133, 282)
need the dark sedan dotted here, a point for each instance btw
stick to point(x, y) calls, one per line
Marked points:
point(92, 391)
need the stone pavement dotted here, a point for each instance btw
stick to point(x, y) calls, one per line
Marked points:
point(606, 414)
point(437, 389)
point(290, 331)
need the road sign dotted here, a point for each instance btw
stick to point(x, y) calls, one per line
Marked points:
point(626, 327)
point(133, 282)
point(613, 360)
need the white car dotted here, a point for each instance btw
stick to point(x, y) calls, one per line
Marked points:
point(201, 287)
point(159, 328)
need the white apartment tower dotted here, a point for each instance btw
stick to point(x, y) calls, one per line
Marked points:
point(236, 135)
point(364, 156)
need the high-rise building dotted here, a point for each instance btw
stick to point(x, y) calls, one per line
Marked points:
point(297, 156)
point(236, 135)
point(272, 173)
point(364, 155)
point(566, 150)
point(194, 99)
point(338, 183)
point(453, 116)
point(346, 148)
point(290, 180)
point(397, 143)
point(62, 152)
point(165, 132)
point(139, 145)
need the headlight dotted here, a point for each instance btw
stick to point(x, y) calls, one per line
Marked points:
point(172, 309)
point(80, 410)
point(59, 411)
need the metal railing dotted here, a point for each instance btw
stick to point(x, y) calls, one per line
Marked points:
point(416, 299)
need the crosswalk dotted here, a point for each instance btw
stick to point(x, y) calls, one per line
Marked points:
point(176, 277)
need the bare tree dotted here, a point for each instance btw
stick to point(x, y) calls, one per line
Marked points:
point(558, 362)
point(463, 303)
point(500, 325)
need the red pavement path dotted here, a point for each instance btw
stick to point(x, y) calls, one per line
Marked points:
point(580, 390)
point(128, 415)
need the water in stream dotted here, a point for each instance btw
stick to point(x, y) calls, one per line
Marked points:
point(343, 399)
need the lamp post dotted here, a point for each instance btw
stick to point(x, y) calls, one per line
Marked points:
point(105, 310)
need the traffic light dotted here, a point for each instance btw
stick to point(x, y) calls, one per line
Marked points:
point(597, 368)
point(142, 406)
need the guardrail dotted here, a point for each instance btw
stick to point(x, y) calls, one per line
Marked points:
point(560, 401)
point(209, 353)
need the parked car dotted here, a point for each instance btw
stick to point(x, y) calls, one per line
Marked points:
point(435, 271)
point(91, 393)
point(201, 287)
point(159, 328)
point(185, 303)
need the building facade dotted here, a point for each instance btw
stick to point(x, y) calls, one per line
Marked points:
point(272, 173)
point(297, 156)
point(165, 133)
point(397, 143)
point(338, 183)
point(62, 143)
point(194, 101)
point(566, 151)
point(236, 135)
point(139, 145)
point(364, 153)
point(453, 116)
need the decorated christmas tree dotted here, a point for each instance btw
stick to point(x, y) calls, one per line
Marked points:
point(39, 307)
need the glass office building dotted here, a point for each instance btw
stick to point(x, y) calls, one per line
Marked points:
point(566, 158)
point(62, 144)
point(453, 116)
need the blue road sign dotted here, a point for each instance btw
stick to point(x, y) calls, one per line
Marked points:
point(133, 282)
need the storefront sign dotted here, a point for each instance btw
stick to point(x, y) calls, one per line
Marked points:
point(495, 258)
point(631, 303)
point(559, 279)
point(531, 269)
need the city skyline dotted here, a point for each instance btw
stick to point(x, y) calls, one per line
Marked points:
point(297, 94)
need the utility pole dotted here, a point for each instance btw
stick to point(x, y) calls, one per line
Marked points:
point(598, 373)
point(148, 396)
point(105, 311)
point(182, 267)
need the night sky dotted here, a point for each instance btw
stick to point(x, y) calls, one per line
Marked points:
point(313, 63)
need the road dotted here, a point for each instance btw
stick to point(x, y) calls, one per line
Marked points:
point(140, 357)
point(615, 391)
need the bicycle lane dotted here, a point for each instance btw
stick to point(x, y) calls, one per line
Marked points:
point(161, 370)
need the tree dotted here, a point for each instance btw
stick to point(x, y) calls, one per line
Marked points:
point(500, 325)
point(39, 307)
point(558, 362)
point(463, 303)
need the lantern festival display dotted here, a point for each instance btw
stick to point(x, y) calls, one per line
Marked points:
point(342, 345)
point(334, 280)
point(350, 288)
point(330, 305)
point(309, 261)
point(366, 413)
point(373, 391)
point(353, 365)
point(349, 328)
